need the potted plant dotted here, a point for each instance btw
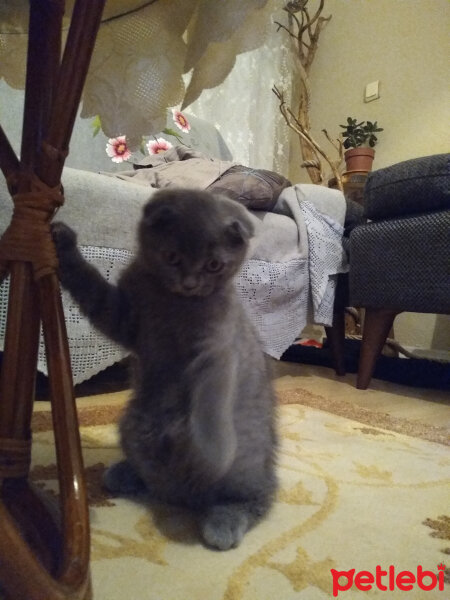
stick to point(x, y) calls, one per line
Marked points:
point(359, 139)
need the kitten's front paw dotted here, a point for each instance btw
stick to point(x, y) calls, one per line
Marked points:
point(121, 478)
point(64, 236)
point(224, 527)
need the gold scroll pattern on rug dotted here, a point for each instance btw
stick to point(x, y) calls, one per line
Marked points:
point(350, 496)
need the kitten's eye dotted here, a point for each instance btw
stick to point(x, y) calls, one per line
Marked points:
point(214, 265)
point(172, 258)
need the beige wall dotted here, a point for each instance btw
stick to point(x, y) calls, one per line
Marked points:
point(405, 45)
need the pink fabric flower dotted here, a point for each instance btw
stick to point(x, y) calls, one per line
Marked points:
point(117, 149)
point(180, 121)
point(158, 146)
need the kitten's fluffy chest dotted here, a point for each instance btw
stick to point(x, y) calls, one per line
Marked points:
point(174, 327)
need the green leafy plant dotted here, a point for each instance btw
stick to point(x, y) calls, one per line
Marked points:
point(359, 134)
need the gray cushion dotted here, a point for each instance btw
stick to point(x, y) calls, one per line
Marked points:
point(257, 189)
point(420, 185)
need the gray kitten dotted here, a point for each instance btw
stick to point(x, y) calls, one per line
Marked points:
point(200, 428)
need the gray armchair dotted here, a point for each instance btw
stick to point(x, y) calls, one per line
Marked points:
point(400, 260)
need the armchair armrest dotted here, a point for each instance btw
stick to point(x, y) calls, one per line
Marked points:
point(419, 185)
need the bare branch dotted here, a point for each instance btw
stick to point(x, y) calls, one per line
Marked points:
point(318, 12)
point(295, 18)
point(307, 25)
point(337, 144)
point(304, 31)
point(293, 122)
point(281, 26)
point(315, 40)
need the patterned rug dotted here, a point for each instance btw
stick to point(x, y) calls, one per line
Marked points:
point(355, 495)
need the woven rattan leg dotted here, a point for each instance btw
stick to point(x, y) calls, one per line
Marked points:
point(42, 557)
point(66, 571)
point(27, 578)
point(377, 324)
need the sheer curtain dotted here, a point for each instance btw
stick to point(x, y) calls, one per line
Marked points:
point(244, 108)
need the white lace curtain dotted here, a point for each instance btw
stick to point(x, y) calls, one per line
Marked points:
point(230, 51)
point(245, 110)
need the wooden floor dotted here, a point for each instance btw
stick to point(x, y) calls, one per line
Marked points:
point(427, 406)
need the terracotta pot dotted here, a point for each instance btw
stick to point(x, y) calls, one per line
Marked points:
point(359, 159)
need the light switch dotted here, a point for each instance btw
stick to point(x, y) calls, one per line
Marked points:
point(372, 91)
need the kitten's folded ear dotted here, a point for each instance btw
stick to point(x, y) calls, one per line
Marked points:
point(158, 215)
point(239, 229)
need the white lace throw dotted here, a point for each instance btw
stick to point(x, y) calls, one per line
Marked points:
point(286, 293)
point(90, 351)
point(322, 211)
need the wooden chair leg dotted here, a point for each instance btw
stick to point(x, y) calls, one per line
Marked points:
point(336, 340)
point(377, 324)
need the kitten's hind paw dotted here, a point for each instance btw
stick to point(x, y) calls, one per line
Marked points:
point(121, 478)
point(224, 526)
point(63, 236)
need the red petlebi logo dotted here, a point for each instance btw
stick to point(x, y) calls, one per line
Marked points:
point(388, 580)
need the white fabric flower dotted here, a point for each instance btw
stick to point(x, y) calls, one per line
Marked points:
point(158, 146)
point(117, 148)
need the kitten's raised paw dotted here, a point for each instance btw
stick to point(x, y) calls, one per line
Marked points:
point(121, 478)
point(223, 527)
point(63, 236)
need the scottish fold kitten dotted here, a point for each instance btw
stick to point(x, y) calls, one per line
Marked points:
point(199, 430)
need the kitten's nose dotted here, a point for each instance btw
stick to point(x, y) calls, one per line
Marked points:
point(190, 282)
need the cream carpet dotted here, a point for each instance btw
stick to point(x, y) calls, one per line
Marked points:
point(356, 492)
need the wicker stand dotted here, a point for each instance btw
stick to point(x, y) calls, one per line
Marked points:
point(44, 552)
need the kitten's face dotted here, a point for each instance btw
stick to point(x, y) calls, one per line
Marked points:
point(193, 241)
